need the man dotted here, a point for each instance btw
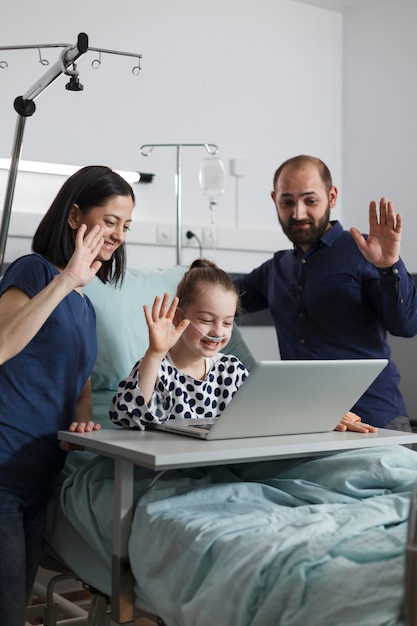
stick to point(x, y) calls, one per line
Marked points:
point(336, 293)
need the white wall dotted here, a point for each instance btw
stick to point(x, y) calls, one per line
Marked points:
point(380, 114)
point(263, 82)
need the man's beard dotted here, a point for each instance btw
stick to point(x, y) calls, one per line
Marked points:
point(308, 236)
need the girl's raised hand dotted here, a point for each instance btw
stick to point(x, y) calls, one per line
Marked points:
point(162, 333)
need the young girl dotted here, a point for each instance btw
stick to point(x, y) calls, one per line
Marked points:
point(184, 374)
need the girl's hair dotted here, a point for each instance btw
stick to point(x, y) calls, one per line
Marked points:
point(203, 272)
point(89, 187)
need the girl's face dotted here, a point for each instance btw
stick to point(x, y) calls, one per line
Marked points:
point(114, 218)
point(212, 314)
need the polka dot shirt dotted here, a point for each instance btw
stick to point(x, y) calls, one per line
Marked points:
point(177, 395)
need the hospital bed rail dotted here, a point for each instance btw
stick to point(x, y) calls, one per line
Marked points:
point(410, 580)
point(53, 605)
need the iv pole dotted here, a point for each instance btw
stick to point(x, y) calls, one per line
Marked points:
point(25, 107)
point(146, 150)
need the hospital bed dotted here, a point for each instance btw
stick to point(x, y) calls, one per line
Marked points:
point(320, 541)
point(293, 541)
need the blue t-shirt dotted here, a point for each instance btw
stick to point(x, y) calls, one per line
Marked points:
point(39, 386)
point(331, 303)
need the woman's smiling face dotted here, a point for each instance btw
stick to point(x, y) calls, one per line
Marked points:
point(114, 217)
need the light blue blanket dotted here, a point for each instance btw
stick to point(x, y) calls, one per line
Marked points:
point(305, 543)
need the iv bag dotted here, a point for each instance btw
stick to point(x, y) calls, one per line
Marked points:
point(211, 177)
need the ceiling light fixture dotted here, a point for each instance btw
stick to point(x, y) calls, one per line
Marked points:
point(61, 169)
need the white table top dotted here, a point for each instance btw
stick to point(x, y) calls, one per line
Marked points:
point(162, 451)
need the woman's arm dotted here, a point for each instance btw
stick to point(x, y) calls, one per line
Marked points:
point(21, 317)
point(83, 414)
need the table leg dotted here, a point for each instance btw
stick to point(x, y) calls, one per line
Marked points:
point(122, 603)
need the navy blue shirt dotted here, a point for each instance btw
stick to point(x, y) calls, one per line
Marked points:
point(39, 386)
point(331, 303)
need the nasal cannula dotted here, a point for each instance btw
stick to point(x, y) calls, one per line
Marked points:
point(210, 337)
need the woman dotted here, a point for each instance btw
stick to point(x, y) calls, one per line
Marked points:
point(48, 347)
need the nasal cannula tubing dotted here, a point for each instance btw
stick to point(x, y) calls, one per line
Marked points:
point(207, 336)
point(210, 337)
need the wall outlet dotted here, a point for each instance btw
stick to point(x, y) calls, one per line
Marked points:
point(194, 240)
point(165, 234)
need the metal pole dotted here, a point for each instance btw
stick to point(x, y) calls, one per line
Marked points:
point(25, 107)
point(179, 217)
point(66, 58)
point(11, 183)
point(146, 150)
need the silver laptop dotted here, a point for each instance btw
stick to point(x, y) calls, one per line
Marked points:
point(286, 398)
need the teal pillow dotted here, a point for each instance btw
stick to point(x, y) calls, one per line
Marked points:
point(239, 348)
point(121, 327)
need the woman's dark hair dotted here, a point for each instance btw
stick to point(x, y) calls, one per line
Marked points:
point(203, 272)
point(89, 187)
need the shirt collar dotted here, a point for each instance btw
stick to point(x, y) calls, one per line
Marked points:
point(327, 239)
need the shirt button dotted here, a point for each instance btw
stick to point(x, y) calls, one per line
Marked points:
point(302, 341)
point(402, 301)
point(300, 315)
point(395, 271)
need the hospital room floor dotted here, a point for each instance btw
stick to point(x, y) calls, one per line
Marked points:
point(140, 621)
point(73, 592)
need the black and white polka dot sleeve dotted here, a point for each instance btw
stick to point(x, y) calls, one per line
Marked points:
point(128, 408)
point(177, 395)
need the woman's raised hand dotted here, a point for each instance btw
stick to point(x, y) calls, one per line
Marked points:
point(84, 265)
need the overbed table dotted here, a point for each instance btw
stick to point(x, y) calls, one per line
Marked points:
point(161, 451)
